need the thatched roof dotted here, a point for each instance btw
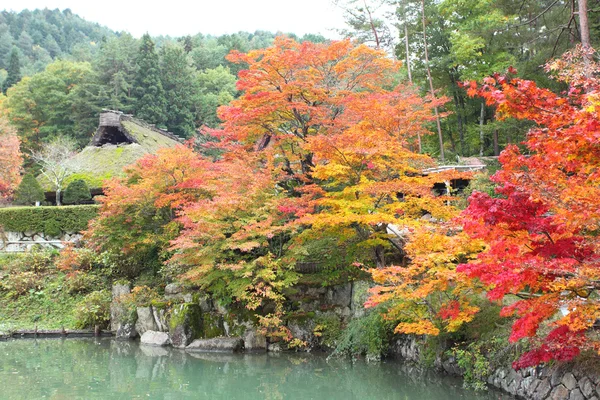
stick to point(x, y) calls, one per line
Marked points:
point(120, 140)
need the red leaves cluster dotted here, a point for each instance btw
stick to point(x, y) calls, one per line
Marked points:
point(542, 232)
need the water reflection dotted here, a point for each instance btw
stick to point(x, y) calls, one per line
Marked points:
point(94, 369)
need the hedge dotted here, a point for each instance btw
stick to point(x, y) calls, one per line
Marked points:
point(50, 220)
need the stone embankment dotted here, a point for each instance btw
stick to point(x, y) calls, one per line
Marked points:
point(195, 323)
point(561, 381)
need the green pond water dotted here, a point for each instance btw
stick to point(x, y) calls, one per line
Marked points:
point(109, 369)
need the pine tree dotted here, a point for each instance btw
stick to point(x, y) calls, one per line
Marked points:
point(14, 69)
point(150, 103)
point(29, 191)
point(179, 84)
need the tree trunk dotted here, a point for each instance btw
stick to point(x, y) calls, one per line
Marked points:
point(372, 24)
point(407, 53)
point(459, 122)
point(58, 202)
point(496, 147)
point(437, 114)
point(584, 26)
point(481, 118)
point(379, 257)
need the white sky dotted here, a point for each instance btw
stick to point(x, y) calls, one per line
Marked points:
point(181, 17)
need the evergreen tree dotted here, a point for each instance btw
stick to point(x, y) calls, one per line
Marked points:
point(6, 44)
point(77, 192)
point(29, 191)
point(14, 69)
point(150, 101)
point(178, 82)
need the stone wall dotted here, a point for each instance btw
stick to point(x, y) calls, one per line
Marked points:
point(560, 381)
point(12, 242)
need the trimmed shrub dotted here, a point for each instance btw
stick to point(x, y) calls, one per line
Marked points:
point(29, 191)
point(50, 220)
point(77, 192)
point(93, 310)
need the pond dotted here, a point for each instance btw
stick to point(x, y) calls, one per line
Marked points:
point(109, 369)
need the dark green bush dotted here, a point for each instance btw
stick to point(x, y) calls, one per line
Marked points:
point(50, 220)
point(29, 191)
point(77, 192)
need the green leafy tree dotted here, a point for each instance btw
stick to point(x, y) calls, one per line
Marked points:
point(77, 192)
point(216, 88)
point(49, 104)
point(29, 191)
point(150, 100)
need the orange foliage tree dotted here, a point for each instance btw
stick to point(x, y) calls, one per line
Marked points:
point(542, 234)
point(336, 131)
point(10, 159)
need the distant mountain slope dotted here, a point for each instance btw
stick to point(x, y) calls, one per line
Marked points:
point(44, 35)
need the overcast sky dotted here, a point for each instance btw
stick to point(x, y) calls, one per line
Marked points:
point(183, 17)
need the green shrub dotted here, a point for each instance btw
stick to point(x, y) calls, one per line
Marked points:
point(328, 328)
point(21, 283)
point(93, 310)
point(77, 192)
point(474, 363)
point(36, 259)
point(29, 191)
point(369, 335)
point(81, 282)
point(38, 219)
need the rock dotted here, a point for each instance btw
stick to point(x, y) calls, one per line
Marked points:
point(160, 319)
point(274, 347)
point(155, 338)
point(586, 386)
point(212, 325)
point(122, 319)
point(119, 290)
point(542, 390)
point(569, 381)
point(173, 288)
point(254, 341)
point(576, 395)
point(223, 344)
point(559, 393)
point(185, 324)
point(557, 375)
point(340, 295)
point(188, 298)
point(145, 320)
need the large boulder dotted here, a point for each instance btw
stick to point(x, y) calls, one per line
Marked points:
point(122, 319)
point(254, 340)
point(340, 295)
point(221, 344)
point(161, 318)
point(145, 320)
point(185, 324)
point(155, 338)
